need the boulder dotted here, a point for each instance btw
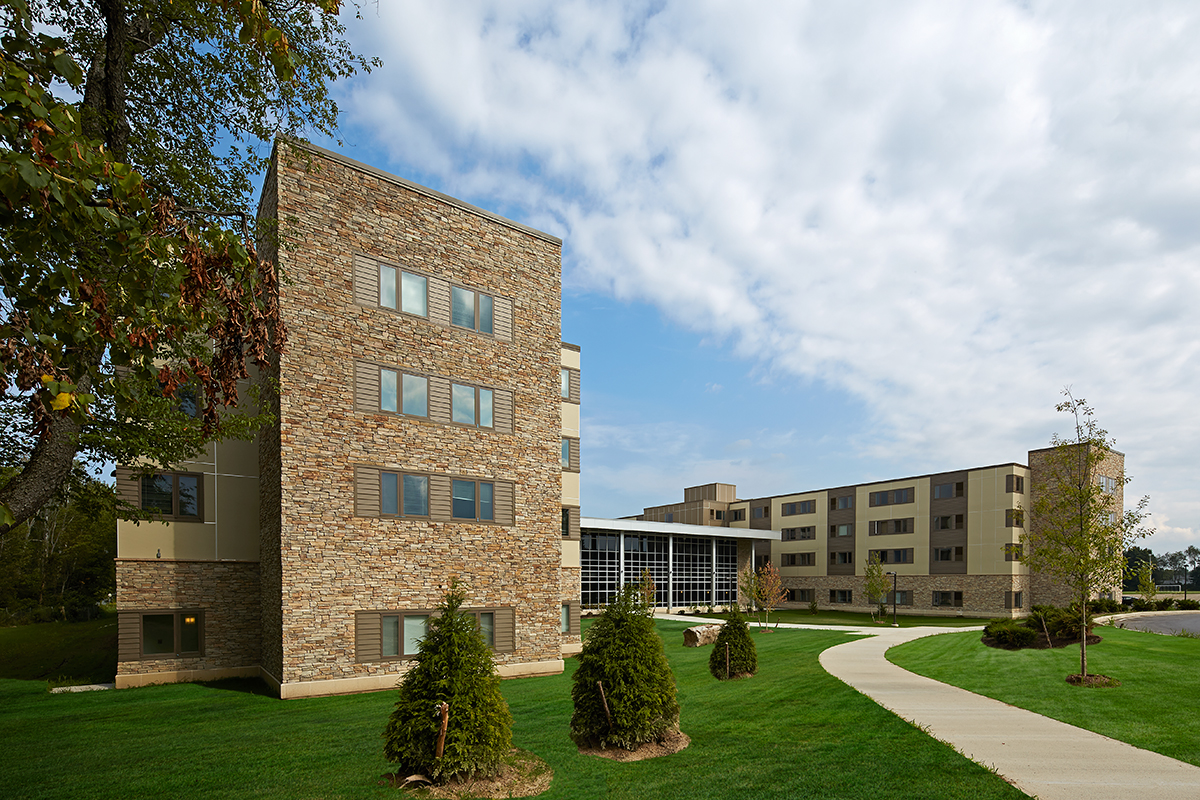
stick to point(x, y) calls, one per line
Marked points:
point(701, 635)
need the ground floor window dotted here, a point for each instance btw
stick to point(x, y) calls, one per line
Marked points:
point(172, 633)
point(687, 570)
point(1014, 600)
point(800, 595)
point(392, 635)
point(948, 599)
point(841, 596)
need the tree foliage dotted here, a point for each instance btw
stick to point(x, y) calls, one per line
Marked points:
point(743, 655)
point(453, 666)
point(123, 283)
point(623, 653)
point(1077, 533)
point(877, 584)
point(769, 591)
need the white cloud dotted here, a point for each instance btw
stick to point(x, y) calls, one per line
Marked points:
point(948, 211)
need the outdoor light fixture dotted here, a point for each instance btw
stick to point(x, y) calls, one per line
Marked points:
point(894, 598)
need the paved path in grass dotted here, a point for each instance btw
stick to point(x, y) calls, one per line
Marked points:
point(1040, 756)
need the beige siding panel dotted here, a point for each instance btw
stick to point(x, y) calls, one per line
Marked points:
point(439, 498)
point(502, 407)
point(439, 399)
point(366, 281)
point(502, 318)
point(439, 301)
point(573, 374)
point(504, 503)
point(128, 486)
point(366, 386)
point(366, 636)
point(505, 634)
point(366, 492)
point(129, 636)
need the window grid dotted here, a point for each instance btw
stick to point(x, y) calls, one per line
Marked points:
point(174, 495)
point(692, 568)
point(648, 553)
point(600, 564)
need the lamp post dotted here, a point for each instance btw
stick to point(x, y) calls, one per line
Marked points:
point(894, 598)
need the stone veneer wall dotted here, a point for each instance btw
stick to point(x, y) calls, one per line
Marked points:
point(228, 591)
point(983, 595)
point(333, 563)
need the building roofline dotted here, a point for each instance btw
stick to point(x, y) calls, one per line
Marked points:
point(676, 528)
point(574, 347)
point(419, 189)
point(1048, 449)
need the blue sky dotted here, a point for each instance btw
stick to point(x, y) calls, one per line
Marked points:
point(810, 244)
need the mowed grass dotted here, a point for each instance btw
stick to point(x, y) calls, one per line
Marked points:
point(65, 652)
point(824, 617)
point(793, 731)
point(1159, 675)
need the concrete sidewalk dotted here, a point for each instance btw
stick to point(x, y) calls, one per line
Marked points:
point(1042, 757)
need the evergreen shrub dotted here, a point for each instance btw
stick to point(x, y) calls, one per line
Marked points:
point(1011, 633)
point(1189, 605)
point(743, 656)
point(623, 651)
point(453, 665)
point(1166, 604)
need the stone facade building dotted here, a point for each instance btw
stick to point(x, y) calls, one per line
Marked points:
point(427, 431)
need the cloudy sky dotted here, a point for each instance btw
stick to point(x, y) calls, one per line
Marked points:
point(811, 244)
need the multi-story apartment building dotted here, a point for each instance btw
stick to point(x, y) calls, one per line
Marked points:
point(953, 539)
point(414, 443)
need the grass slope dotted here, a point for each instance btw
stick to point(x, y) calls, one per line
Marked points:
point(1157, 674)
point(793, 731)
point(81, 652)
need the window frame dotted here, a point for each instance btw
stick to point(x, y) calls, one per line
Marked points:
point(400, 376)
point(956, 599)
point(477, 500)
point(477, 319)
point(1014, 484)
point(1013, 551)
point(843, 502)
point(835, 530)
point(957, 522)
point(400, 493)
point(177, 633)
point(957, 553)
point(886, 555)
point(880, 527)
point(841, 596)
point(957, 489)
point(737, 515)
point(478, 405)
point(1014, 518)
point(398, 290)
point(175, 475)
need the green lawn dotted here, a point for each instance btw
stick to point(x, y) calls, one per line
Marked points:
point(791, 732)
point(823, 617)
point(1160, 678)
point(80, 652)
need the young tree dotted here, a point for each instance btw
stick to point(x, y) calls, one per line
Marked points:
point(1076, 533)
point(769, 590)
point(123, 286)
point(453, 666)
point(1147, 590)
point(748, 589)
point(877, 584)
point(623, 690)
point(734, 654)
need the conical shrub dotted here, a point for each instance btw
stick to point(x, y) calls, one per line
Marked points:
point(454, 665)
point(743, 656)
point(623, 652)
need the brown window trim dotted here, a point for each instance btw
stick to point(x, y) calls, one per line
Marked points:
point(141, 614)
point(399, 412)
point(477, 292)
point(429, 613)
point(477, 387)
point(173, 517)
point(399, 289)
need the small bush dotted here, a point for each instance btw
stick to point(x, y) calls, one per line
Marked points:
point(1104, 605)
point(1189, 605)
point(1139, 604)
point(625, 653)
point(743, 656)
point(1010, 633)
point(1166, 604)
point(453, 665)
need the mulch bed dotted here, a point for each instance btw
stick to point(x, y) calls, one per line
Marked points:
point(1092, 681)
point(521, 775)
point(672, 742)
point(1042, 642)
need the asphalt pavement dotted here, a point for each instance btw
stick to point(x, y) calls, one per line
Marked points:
point(1169, 622)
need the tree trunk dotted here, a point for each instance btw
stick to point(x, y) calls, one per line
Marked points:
point(49, 465)
point(1083, 637)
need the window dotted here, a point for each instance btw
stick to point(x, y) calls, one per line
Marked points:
point(846, 529)
point(470, 309)
point(948, 599)
point(792, 534)
point(566, 383)
point(566, 455)
point(891, 498)
point(1012, 552)
point(841, 596)
point(951, 522)
point(400, 635)
point(404, 394)
point(947, 554)
point(900, 598)
point(803, 507)
point(1107, 484)
point(565, 619)
point(841, 503)
point(737, 515)
point(882, 527)
point(670, 516)
point(843, 557)
point(175, 495)
point(1014, 518)
point(1014, 600)
point(948, 491)
point(799, 559)
point(408, 294)
point(472, 500)
point(902, 556)
point(470, 405)
point(1014, 484)
point(762, 512)
point(566, 523)
point(172, 633)
point(403, 495)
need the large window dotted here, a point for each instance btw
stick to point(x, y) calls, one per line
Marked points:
point(841, 557)
point(403, 495)
point(1012, 552)
point(948, 599)
point(841, 503)
point(471, 405)
point(172, 633)
point(403, 291)
point(884, 527)
point(841, 596)
point(803, 507)
point(1014, 518)
point(792, 534)
point(174, 495)
point(400, 393)
point(469, 309)
point(947, 554)
point(472, 500)
point(846, 529)
point(600, 567)
point(648, 554)
point(900, 556)
point(1014, 484)
point(950, 522)
point(893, 497)
point(948, 491)
point(799, 559)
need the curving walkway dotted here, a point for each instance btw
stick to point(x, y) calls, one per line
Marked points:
point(1040, 756)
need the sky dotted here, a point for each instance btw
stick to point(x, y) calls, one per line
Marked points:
point(814, 244)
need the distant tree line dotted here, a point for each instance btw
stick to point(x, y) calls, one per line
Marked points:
point(1181, 567)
